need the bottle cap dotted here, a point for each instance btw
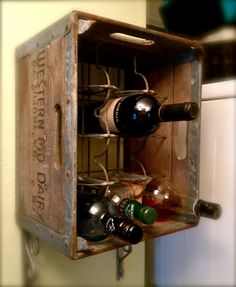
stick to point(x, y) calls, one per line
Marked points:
point(148, 215)
point(129, 231)
point(135, 210)
point(207, 209)
point(135, 234)
point(191, 111)
point(178, 112)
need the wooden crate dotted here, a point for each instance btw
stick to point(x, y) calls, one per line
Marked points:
point(48, 74)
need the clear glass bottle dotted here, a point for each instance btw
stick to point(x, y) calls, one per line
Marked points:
point(97, 218)
point(168, 202)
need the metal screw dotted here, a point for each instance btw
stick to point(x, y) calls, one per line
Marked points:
point(66, 243)
point(67, 29)
point(193, 81)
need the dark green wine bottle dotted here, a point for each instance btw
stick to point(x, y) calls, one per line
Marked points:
point(97, 218)
point(134, 210)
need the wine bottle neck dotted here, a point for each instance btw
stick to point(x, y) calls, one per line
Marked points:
point(125, 230)
point(135, 210)
point(178, 112)
point(129, 208)
point(207, 209)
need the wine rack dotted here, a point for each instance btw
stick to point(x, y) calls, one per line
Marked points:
point(83, 57)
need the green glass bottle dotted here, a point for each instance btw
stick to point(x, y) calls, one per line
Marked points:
point(134, 210)
point(128, 207)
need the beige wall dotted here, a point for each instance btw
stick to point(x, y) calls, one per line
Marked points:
point(19, 21)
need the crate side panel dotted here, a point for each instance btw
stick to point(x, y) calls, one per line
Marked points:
point(23, 79)
point(57, 112)
point(41, 90)
point(36, 118)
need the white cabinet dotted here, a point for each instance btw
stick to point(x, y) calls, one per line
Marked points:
point(206, 255)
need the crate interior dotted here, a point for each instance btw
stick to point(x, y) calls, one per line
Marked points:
point(169, 70)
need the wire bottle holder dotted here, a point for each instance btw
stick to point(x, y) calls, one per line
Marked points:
point(109, 91)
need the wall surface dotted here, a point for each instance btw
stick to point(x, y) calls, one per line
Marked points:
point(206, 255)
point(19, 21)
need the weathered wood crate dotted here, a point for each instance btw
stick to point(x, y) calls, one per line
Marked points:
point(50, 67)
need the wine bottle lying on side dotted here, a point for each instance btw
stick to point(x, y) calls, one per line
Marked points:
point(138, 114)
point(97, 218)
point(168, 202)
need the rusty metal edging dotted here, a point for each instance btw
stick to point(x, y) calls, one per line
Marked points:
point(65, 28)
point(194, 136)
point(43, 232)
point(70, 186)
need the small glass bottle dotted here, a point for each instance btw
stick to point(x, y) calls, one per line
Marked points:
point(120, 196)
point(97, 218)
point(164, 198)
